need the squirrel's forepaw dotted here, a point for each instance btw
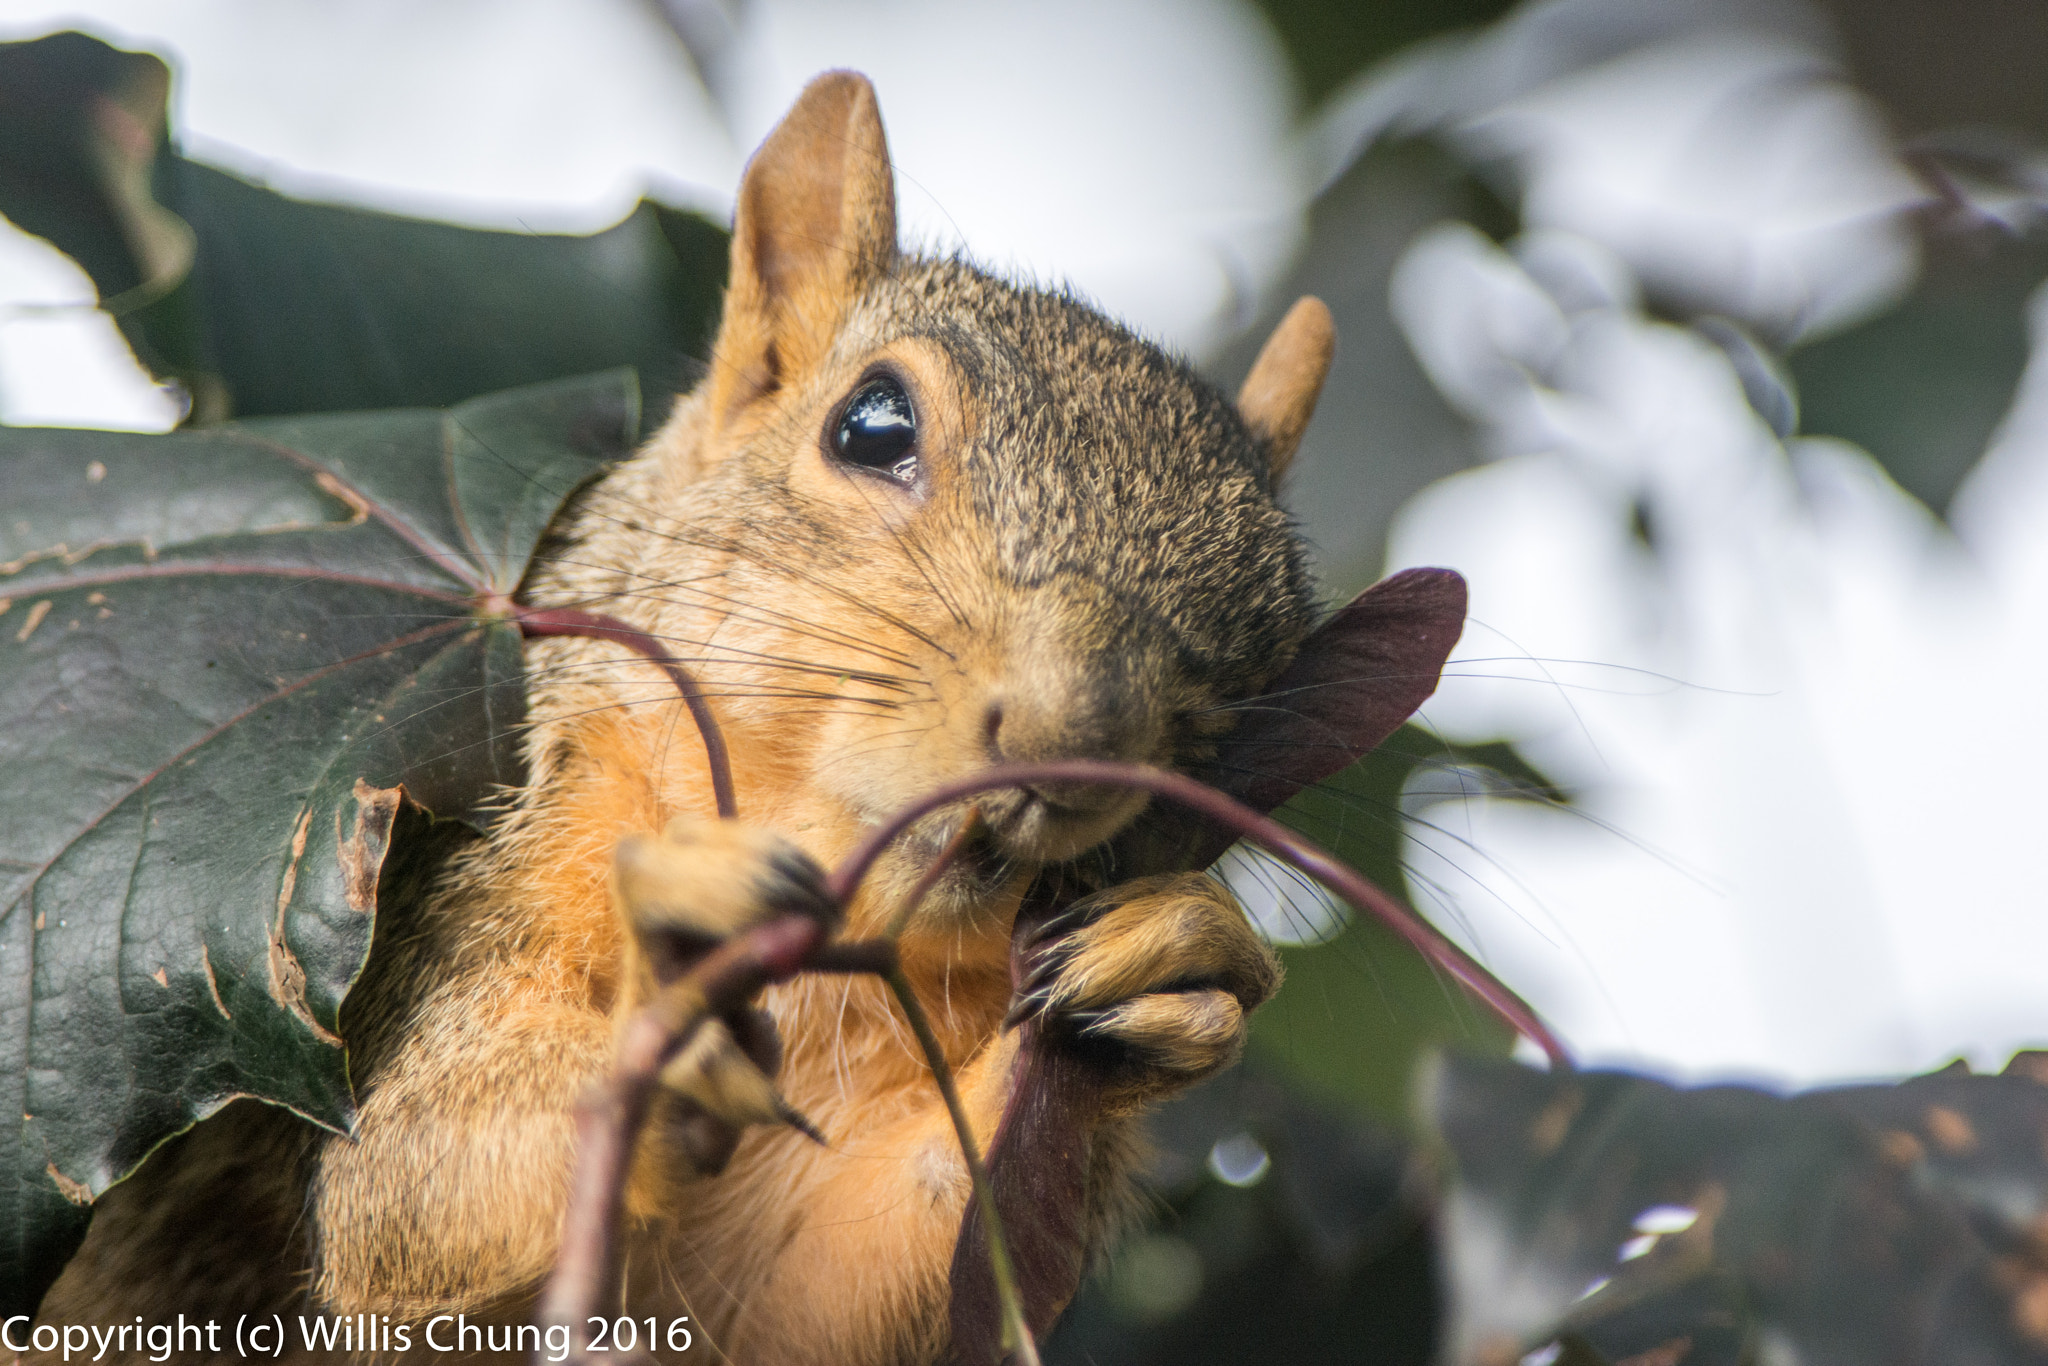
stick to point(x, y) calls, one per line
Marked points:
point(698, 882)
point(681, 893)
point(1155, 979)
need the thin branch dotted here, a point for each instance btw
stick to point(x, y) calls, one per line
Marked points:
point(569, 621)
point(1275, 838)
point(608, 1118)
point(1017, 1338)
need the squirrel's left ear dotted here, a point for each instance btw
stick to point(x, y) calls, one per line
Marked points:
point(1279, 395)
point(815, 224)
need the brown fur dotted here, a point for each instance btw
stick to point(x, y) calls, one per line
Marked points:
point(1090, 563)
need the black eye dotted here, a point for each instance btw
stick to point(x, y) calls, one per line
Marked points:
point(878, 430)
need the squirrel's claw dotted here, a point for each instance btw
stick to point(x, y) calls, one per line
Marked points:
point(1027, 1005)
point(713, 1071)
point(794, 1118)
point(1156, 975)
point(724, 1074)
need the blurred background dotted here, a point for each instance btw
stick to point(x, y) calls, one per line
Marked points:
point(1699, 335)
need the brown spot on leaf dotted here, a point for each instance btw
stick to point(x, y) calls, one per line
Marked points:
point(1555, 1122)
point(77, 1192)
point(206, 964)
point(2030, 1309)
point(1499, 1350)
point(2031, 1063)
point(95, 599)
point(290, 883)
point(1901, 1147)
point(159, 978)
point(39, 921)
point(65, 555)
point(362, 850)
point(95, 472)
point(1693, 1246)
point(1663, 1354)
point(287, 978)
point(1951, 1132)
point(35, 619)
point(2035, 1239)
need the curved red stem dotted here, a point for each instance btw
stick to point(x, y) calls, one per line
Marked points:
point(570, 621)
point(1264, 831)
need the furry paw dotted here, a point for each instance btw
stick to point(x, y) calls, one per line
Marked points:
point(1154, 979)
point(699, 882)
point(681, 893)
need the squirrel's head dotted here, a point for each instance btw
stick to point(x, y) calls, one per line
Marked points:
point(919, 521)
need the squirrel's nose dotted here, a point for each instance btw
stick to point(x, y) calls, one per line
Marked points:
point(1072, 726)
point(992, 732)
point(1023, 724)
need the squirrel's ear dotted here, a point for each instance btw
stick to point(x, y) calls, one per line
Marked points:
point(1279, 395)
point(816, 221)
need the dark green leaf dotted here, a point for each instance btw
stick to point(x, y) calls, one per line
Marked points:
point(261, 304)
point(1834, 1228)
point(221, 654)
point(65, 100)
point(299, 308)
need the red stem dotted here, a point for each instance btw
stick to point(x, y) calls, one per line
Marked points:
point(569, 621)
point(609, 1116)
point(1263, 831)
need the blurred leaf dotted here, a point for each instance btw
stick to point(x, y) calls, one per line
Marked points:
point(1947, 66)
point(261, 304)
point(1329, 41)
point(223, 654)
point(1924, 386)
point(1981, 1143)
point(83, 122)
point(1319, 1256)
point(1381, 430)
point(309, 308)
point(1358, 1012)
point(1727, 1225)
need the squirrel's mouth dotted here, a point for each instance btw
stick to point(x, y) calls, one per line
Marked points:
point(1018, 831)
point(1026, 827)
point(1050, 823)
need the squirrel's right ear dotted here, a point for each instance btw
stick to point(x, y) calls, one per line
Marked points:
point(1279, 395)
point(816, 221)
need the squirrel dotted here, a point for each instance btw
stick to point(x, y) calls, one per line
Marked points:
point(914, 521)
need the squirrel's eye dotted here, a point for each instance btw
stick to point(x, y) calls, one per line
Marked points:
point(878, 430)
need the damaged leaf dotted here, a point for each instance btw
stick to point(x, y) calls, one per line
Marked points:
point(226, 659)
